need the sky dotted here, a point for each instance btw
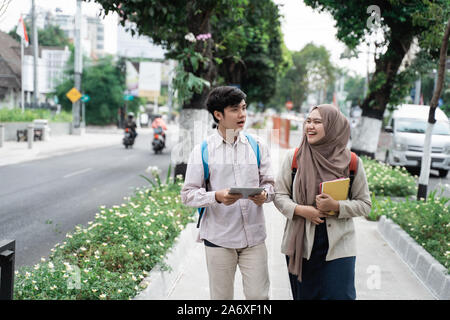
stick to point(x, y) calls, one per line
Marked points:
point(300, 25)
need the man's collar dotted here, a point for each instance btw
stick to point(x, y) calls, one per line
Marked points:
point(219, 140)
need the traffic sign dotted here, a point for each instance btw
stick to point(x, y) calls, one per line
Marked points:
point(85, 98)
point(128, 97)
point(74, 95)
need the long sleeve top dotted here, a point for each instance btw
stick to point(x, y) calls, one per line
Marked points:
point(340, 228)
point(241, 224)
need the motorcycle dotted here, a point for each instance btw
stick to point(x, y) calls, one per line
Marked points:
point(128, 139)
point(159, 141)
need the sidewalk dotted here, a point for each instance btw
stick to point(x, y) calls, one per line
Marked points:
point(380, 273)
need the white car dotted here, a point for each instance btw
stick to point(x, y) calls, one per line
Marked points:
point(407, 129)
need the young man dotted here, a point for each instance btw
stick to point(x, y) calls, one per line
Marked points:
point(232, 229)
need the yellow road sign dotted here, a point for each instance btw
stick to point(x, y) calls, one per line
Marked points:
point(74, 95)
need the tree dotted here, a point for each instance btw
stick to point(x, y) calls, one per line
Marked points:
point(354, 86)
point(51, 36)
point(311, 72)
point(426, 158)
point(104, 81)
point(251, 53)
point(400, 23)
point(185, 29)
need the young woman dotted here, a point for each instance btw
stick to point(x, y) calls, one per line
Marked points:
point(320, 248)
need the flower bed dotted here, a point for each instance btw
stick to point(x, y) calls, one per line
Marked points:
point(427, 222)
point(109, 258)
point(385, 180)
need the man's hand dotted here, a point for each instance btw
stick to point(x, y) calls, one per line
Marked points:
point(259, 199)
point(326, 203)
point(223, 196)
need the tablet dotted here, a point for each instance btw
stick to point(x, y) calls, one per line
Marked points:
point(246, 191)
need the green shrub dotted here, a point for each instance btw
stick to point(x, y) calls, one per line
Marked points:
point(385, 180)
point(16, 115)
point(427, 222)
point(110, 258)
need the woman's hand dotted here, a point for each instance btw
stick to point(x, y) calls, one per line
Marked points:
point(326, 203)
point(310, 213)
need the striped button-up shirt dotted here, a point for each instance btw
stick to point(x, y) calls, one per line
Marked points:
point(241, 224)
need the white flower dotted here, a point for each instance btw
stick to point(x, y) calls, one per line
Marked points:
point(190, 37)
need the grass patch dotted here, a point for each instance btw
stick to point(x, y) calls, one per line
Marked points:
point(427, 222)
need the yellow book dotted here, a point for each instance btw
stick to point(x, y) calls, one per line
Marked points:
point(337, 189)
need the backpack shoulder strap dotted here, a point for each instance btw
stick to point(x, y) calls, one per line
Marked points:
point(353, 163)
point(353, 166)
point(204, 150)
point(294, 164)
point(205, 160)
point(294, 167)
point(255, 147)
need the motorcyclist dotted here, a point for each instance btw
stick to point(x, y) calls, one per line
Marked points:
point(131, 124)
point(159, 126)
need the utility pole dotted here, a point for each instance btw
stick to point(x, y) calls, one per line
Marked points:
point(35, 55)
point(78, 69)
point(418, 90)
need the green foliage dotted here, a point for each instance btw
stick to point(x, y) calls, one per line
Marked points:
point(16, 115)
point(244, 48)
point(427, 222)
point(110, 258)
point(51, 36)
point(400, 22)
point(311, 70)
point(250, 48)
point(385, 180)
point(104, 81)
point(354, 86)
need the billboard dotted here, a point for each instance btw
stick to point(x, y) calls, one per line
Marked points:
point(149, 80)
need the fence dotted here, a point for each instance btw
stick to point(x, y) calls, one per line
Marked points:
point(7, 255)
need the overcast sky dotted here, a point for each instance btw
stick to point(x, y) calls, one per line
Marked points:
point(300, 25)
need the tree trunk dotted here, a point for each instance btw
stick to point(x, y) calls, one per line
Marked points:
point(426, 157)
point(195, 122)
point(366, 134)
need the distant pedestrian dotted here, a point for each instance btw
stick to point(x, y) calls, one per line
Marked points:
point(320, 248)
point(232, 228)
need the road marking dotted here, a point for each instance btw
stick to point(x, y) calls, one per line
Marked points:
point(77, 172)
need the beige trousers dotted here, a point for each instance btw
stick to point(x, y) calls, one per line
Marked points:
point(252, 262)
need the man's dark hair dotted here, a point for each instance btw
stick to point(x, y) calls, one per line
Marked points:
point(221, 97)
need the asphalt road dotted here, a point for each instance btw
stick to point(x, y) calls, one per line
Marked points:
point(43, 200)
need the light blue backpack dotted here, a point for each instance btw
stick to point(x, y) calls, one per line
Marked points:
point(255, 148)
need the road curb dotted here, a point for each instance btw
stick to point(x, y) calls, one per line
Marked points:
point(432, 274)
point(160, 283)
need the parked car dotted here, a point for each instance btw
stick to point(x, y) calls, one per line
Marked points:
point(407, 130)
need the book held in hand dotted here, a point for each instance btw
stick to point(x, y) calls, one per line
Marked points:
point(337, 189)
